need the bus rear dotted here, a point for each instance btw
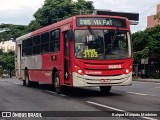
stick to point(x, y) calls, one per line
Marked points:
point(101, 53)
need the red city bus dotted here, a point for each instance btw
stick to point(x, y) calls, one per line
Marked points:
point(81, 51)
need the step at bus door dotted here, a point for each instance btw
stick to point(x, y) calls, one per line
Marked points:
point(67, 60)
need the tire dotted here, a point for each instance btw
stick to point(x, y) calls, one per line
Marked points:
point(28, 83)
point(24, 82)
point(35, 84)
point(105, 89)
point(57, 86)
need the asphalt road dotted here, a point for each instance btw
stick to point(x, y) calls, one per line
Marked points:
point(140, 97)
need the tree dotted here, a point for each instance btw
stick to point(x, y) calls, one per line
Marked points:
point(56, 10)
point(7, 62)
point(157, 17)
point(33, 25)
point(146, 42)
point(10, 31)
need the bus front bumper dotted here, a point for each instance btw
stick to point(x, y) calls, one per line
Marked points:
point(93, 81)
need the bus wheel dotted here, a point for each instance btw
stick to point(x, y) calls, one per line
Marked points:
point(57, 86)
point(27, 81)
point(105, 89)
point(24, 82)
point(35, 84)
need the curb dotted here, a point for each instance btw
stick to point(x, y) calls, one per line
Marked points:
point(147, 80)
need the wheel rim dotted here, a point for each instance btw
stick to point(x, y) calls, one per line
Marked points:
point(57, 85)
point(27, 80)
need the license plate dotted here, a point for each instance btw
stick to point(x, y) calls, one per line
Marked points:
point(105, 80)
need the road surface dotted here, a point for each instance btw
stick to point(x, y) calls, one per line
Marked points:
point(138, 98)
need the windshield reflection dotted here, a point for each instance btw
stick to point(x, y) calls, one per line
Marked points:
point(101, 44)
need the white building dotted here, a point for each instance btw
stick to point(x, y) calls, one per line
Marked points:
point(7, 45)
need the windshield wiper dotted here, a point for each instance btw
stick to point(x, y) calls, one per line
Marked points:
point(92, 33)
point(97, 38)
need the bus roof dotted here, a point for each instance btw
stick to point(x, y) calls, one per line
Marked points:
point(60, 23)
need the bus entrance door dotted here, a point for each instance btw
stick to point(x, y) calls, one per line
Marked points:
point(18, 61)
point(67, 65)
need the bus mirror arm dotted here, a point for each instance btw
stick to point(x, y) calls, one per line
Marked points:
point(70, 35)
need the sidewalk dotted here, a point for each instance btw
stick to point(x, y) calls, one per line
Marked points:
point(147, 80)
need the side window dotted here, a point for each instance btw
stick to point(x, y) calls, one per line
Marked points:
point(45, 42)
point(28, 45)
point(36, 45)
point(23, 48)
point(36, 40)
point(55, 40)
point(66, 44)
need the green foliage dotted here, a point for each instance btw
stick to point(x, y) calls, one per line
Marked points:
point(10, 31)
point(83, 7)
point(146, 42)
point(157, 17)
point(56, 10)
point(51, 12)
point(7, 61)
point(33, 25)
point(141, 54)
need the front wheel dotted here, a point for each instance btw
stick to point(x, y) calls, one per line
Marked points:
point(57, 86)
point(105, 89)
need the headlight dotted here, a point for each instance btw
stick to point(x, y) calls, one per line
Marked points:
point(78, 70)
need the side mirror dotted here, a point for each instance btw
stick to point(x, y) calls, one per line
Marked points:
point(70, 35)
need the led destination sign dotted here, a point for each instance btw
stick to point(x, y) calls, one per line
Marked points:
point(101, 22)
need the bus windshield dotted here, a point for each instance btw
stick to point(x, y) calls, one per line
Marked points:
point(102, 44)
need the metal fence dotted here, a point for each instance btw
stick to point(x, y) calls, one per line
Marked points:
point(151, 70)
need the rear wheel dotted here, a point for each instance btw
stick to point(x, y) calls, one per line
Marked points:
point(57, 86)
point(35, 84)
point(105, 89)
point(24, 82)
point(27, 82)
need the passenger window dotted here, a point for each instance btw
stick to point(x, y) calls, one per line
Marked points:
point(36, 45)
point(55, 40)
point(45, 37)
point(36, 40)
point(23, 47)
point(45, 42)
point(29, 42)
point(27, 47)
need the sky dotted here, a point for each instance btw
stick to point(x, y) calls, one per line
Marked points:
point(21, 11)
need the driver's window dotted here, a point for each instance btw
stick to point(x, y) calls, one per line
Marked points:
point(122, 41)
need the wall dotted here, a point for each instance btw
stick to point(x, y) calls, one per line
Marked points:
point(150, 19)
point(7, 45)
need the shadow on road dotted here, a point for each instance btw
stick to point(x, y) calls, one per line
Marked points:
point(79, 92)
